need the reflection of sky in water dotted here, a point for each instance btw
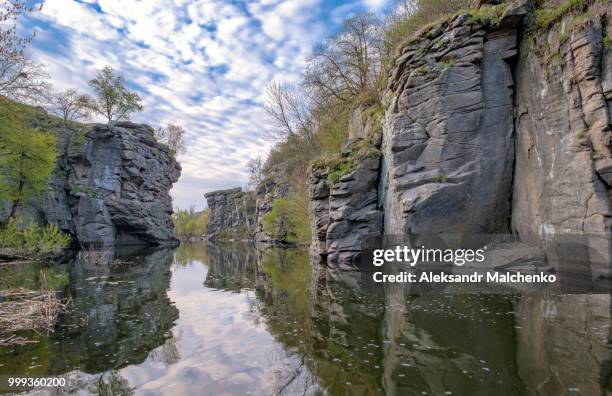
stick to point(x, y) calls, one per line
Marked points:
point(218, 342)
point(227, 320)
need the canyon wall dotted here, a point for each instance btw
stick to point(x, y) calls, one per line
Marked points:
point(110, 185)
point(232, 213)
point(491, 125)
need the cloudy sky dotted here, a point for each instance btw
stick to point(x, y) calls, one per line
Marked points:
point(199, 63)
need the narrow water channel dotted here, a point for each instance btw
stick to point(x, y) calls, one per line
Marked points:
point(232, 319)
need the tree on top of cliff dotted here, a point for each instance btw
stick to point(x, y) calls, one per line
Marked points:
point(70, 105)
point(20, 78)
point(173, 136)
point(112, 99)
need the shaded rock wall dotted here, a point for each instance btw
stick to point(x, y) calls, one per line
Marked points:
point(345, 212)
point(447, 142)
point(232, 213)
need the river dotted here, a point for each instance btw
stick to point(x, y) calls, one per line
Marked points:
point(234, 319)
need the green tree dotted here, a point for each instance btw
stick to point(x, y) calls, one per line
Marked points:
point(112, 99)
point(27, 158)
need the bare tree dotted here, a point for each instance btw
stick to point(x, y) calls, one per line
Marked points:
point(173, 136)
point(290, 112)
point(255, 167)
point(20, 78)
point(70, 105)
point(348, 63)
point(112, 99)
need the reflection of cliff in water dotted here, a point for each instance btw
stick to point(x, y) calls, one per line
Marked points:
point(119, 312)
point(231, 266)
point(391, 342)
point(123, 302)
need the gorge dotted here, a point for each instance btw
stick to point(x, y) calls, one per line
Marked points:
point(490, 123)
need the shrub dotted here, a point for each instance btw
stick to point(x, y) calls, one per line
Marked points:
point(288, 220)
point(545, 17)
point(32, 240)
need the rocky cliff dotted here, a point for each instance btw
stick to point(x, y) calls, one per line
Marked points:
point(232, 214)
point(491, 125)
point(110, 186)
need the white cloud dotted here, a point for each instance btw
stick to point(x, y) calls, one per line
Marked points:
point(202, 64)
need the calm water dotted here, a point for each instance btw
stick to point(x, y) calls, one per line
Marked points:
point(235, 320)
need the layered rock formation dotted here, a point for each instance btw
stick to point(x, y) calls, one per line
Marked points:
point(489, 127)
point(447, 142)
point(563, 173)
point(110, 186)
point(232, 213)
point(345, 212)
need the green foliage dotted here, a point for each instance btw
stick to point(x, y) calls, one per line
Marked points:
point(485, 16)
point(32, 240)
point(581, 135)
point(607, 41)
point(288, 220)
point(342, 168)
point(546, 17)
point(429, 13)
point(446, 63)
point(27, 156)
point(336, 165)
point(442, 177)
point(189, 223)
point(112, 99)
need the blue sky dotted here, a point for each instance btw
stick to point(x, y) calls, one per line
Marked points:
point(202, 64)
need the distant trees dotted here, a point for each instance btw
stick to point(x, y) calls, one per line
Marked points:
point(20, 78)
point(112, 100)
point(189, 223)
point(70, 105)
point(27, 158)
point(173, 136)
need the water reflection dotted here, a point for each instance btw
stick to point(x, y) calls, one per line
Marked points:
point(240, 319)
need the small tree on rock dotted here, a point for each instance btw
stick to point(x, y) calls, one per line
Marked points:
point(70, 105)
point(112, 99)
point(173, 136)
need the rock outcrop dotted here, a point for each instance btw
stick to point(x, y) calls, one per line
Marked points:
point(447, 142)
point(110, 186)
point(490, 126)
point(344, 209)
point(232, 214)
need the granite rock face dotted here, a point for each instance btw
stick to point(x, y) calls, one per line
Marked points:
point(112, 187)
point(345, 213)
point(448, 134)
point(232, 213)
point(563, 173)
point(487, 130)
